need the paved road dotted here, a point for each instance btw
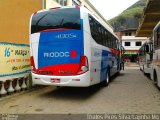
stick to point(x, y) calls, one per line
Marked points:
point(131, 92)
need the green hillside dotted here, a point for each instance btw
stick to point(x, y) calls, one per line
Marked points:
point(129, 18)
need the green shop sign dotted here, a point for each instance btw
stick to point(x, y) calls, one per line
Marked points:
point(130, 53)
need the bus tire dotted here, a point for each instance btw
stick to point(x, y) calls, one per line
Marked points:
point(107, 80)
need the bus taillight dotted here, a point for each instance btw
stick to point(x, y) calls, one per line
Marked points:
point(84, 67)
point(32, 63)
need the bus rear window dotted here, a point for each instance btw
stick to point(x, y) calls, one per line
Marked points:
point(59, 18)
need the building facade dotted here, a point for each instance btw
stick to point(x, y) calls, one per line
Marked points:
point(131, 44)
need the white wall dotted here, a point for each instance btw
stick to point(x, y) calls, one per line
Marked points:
point(133, 44)
point(132, 40)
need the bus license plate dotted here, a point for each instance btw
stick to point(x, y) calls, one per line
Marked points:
point(55, 80)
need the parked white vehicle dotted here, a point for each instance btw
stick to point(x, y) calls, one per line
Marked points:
point(145, 57)
point(149, 56)
point(155, 73)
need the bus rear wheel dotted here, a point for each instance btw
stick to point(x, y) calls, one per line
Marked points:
point(107, 80)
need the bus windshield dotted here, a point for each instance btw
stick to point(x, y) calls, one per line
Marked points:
point(53, 19)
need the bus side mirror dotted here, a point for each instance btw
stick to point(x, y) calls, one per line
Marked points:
point(147, 49)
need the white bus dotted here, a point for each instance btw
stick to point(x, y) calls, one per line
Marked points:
point(145, 57)
point(71, 47)
point(155, 73)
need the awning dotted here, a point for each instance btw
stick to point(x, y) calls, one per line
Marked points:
point(150, 18)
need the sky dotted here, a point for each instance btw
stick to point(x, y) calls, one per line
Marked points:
point(112, 8)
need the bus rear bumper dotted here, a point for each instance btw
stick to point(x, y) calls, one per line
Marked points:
point(72, 81)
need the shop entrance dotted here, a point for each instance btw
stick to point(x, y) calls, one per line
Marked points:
point(130, 57)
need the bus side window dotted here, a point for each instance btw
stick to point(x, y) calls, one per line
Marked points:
point(96, 31)
point(91, 26)
point(109, 40)
point(112, 39)
point(99, 34)
point(105, 37)
point(115, 43)
point(157, 37)
point(101, 28)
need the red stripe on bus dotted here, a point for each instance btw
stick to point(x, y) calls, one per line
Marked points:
point(51, 30)
point(60, 70)
point(116, 52)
